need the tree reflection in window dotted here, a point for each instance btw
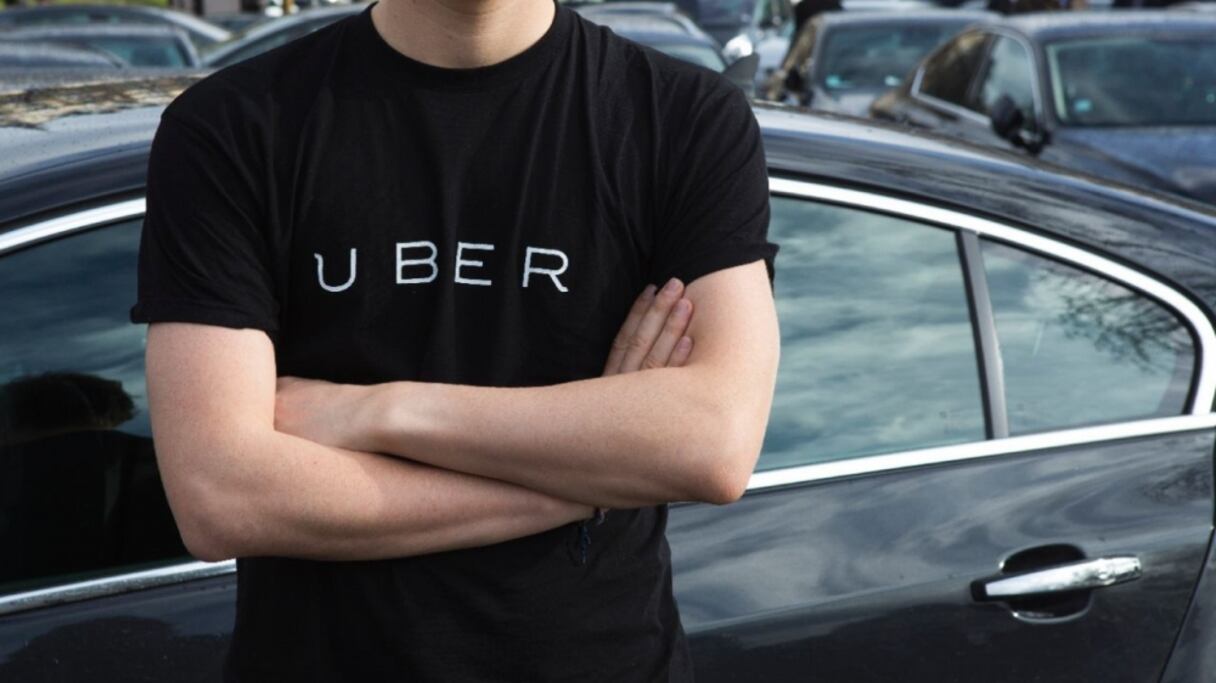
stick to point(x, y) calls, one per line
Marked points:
point(1078, 349)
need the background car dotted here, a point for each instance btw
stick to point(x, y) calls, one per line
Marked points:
point(201, 33)
point(1125, 95)
point(271, 34)
point(138, 45)
point(993, 375)
point(842, 61)
point(663, 27)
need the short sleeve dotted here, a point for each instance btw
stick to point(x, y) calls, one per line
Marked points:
point(203, 254)
point(715, 204)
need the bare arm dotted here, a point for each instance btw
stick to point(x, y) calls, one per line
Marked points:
point(677, 433)
point(238, 487)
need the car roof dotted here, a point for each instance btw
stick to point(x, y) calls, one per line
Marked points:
point(53, 32)
point(94, 140)
point(1048, 26)
point(911, 16)
point(187, 21)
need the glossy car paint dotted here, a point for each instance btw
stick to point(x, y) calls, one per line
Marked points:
point(863, 577)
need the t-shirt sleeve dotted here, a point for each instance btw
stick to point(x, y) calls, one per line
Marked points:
point(203, 254)
point(715, 201)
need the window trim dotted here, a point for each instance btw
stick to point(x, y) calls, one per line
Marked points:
point(1198, 417)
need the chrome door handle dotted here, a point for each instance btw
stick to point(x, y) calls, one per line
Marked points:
point(1062, 578)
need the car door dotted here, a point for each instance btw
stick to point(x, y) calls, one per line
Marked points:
point(85, 532)
point(989, 459)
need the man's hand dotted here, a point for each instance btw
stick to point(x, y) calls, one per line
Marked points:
point(652, 336)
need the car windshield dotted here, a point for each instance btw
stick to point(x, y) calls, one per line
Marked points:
point(723, 12)
point(700, 55)
point(142, 51)
point(1134, 80)
point(875, 56)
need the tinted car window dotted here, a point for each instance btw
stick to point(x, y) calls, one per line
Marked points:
point(877, 345)
point(949, 72)
point(1078, 349)
point(1009, 72)
point(79, 490)
point(259, 45)
point(875, 57)
point(158, 52)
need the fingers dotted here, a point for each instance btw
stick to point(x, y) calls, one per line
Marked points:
point(664, 346)
point(621, 343)
point(658, 327)
point(679, 356)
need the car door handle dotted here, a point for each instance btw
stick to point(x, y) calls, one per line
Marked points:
point(1063, 578)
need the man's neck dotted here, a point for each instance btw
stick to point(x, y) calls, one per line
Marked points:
point(462, 34)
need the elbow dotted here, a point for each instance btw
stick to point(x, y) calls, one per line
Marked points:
point(735, 447)
point(204, 538)
point(208, 525)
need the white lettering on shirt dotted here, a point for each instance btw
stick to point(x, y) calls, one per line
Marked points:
point(551, 272)
point(403, 263)
point(461, 261)
point(321, 274)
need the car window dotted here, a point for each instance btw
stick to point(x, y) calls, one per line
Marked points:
point(949, 72)
point(282, 37)
point(1078, 349)
point(878, 353)
point(1009, 72)
point(80, 495)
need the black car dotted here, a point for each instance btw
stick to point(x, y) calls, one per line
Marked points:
point(136, 45)
point(842, 61)
point(1125, 95)
point(990, 456)
point(201, 33)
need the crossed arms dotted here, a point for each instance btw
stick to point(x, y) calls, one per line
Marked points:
point(254, 465)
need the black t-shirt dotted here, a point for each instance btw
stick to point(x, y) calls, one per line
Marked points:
point(383, 219)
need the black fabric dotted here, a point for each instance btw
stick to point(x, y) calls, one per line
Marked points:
point(601, 165)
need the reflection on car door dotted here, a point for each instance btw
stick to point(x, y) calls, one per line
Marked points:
point(881, 516)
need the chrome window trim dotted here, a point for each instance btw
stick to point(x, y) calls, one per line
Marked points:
point(113, 585)
point(978, 450)
point(61, 225)
point(1199, 419)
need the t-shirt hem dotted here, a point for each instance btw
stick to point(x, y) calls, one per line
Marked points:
point(167, 310)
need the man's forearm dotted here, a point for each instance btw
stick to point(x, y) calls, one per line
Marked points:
point(620, 441)
point(285, 496)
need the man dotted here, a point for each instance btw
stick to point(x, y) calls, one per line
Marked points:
point(429, 221)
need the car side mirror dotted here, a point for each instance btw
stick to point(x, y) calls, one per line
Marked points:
point(1006, 118)
point(742, 72)
point(1009, 123)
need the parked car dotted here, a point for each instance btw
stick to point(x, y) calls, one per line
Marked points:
point(663, 27)
point(740, 25)
point(271, 34)
point(989, 456)
point(842, 61)
point(1125, 95)
point(201, 33)
point(146, 45)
